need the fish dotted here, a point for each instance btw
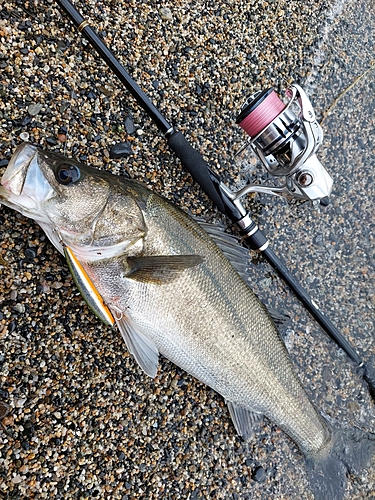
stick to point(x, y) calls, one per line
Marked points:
point(176, 287)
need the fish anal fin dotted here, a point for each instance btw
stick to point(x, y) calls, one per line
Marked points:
point(243, 420)
point(160, 269)
point(139, 345)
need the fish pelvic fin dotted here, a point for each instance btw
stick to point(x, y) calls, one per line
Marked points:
point(159, 269)
point(139, 345)
point(243, 420)
point(350, 452)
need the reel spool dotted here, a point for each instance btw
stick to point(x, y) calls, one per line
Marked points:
point(286, 144)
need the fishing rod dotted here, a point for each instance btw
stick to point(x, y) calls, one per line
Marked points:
point(286, 142)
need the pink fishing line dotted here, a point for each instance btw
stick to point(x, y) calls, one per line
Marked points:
point(262, 115)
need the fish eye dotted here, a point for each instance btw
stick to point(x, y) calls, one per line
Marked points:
point(67, 173)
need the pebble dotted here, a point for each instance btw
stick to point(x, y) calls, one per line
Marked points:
point(19, 403)
point(4, 409)
point(166, 14)
point(129, 125)
point(30, 253)
point(34, 109)
point(84, 421)
point(319, 240)
point(259, 474)
point(20, 308)
point(51, 141)
point(24, 136)
point(120, 150)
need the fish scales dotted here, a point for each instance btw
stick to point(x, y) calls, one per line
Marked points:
point(210, 323)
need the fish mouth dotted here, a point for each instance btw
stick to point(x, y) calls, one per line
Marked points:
point(23, 185)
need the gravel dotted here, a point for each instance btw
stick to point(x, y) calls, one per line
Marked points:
point(84, 421)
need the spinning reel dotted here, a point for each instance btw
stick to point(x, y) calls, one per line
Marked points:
point(286, 144)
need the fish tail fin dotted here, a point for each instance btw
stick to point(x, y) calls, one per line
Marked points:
point(350, 452)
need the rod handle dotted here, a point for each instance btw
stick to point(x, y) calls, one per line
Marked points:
point(196, 165)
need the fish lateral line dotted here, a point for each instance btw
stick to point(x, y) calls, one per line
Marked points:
point(87, 289)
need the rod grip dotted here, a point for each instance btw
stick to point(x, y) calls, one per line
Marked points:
point(199, 169)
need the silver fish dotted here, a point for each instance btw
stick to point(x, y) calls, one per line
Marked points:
point(171, 290)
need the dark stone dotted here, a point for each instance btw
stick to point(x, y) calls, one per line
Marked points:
point(25, 445)
point(28, 429)
point(121, 455)
point(4, 394)
point(30, 253)
point(12, 326)
point(61, 45)
point(26, 121)
point(120, 150)
point(70, 358)
point(4, 163)
point(259, 474)
point(51, 141)
point(319, 240)
point(325, 201)
point(129, 125)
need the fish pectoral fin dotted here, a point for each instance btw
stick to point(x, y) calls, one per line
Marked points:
point(160, 269)
point(243, 420)
point(139, 345)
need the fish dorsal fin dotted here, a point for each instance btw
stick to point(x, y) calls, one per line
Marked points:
point(159, 269)
point(87, 289)
point(239, 257)
point(280, 319)
point(243, 420)
point(229, 244)
point(139, 345)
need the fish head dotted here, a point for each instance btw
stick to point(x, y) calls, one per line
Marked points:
point(76, 205)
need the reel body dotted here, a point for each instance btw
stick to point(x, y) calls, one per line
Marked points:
point(286, 143)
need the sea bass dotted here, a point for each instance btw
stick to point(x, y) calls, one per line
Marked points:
point(147, 266)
